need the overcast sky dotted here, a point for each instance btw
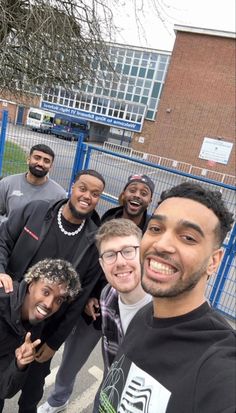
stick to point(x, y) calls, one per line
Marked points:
point(158, 32)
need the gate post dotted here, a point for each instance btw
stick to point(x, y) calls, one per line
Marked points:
point(79, 158)
point(224, 269)
point(3, 137)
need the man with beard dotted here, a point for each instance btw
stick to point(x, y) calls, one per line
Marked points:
point(64, 230)
point(45, 286)
point(178, 354)
point(20, 189)
point(134, 201)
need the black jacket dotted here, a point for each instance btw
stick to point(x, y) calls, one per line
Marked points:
point(118, 212)
point(20, 238)
point(12, 333)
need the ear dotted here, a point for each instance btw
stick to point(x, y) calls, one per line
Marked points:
point(120, 199)
point(101, 263)
point(214, 261)
point(28, 160)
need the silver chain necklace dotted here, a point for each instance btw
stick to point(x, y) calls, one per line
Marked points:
point(70, 234)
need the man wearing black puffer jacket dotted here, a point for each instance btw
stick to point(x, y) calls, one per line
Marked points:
point(63, 230)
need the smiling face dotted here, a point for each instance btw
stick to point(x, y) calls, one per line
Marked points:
point(136, 199)
point(124, 274)
point(85, 195)
point(179, 249)
point(39, 163)
point(42, 300)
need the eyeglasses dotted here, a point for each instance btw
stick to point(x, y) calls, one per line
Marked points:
point(129, 253)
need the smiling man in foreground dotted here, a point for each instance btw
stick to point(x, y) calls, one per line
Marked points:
point(178, 354)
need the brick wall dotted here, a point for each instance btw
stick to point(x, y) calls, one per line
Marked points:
point(11, 102)
point(198, 101)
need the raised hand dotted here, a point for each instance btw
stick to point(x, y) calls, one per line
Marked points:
point(25, 354)
point(6, 282)
point(92, 308)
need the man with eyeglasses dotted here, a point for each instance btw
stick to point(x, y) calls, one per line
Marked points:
point(178, 354)
point(118, 243)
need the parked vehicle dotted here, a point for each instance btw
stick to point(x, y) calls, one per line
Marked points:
point(69, 127)
point(46, 126)
point(40, 120)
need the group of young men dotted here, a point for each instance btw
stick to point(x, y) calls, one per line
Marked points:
point(164, 348)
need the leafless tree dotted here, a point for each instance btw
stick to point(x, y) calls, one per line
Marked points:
point(51, 42)
point(46, 43)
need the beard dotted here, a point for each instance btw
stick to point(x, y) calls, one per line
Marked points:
point(76, 214)
point(39, 173)
point(181, 286)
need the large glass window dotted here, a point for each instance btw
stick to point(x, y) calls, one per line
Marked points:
point(142, 72)
point(140, 82)
point(155, 90)
point(134, 70)
point(159, 75)
point(150, 73)
point(150, 114)
point(126, 69)
point(136, 98)
point(128, 96)
point(120, 95)
point(138, 79)
point(144, 100)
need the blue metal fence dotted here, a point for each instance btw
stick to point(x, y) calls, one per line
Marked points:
point(116, 168)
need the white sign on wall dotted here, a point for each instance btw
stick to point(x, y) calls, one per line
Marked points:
point(216, 150)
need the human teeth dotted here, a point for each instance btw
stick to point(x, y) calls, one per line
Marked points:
point(83, 203)
point(123, 274)
point(161, 268)
point(41, 311)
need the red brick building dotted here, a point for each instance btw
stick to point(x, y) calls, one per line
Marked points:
point(198, 99)
point(17, 105)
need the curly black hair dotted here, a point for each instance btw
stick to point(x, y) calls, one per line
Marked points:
point(55, 271)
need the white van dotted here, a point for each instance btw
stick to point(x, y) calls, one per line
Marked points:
point(37, 118)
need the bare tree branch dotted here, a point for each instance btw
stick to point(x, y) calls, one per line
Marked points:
point(46, 42)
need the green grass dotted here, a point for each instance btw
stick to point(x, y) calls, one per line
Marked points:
point(14, 159)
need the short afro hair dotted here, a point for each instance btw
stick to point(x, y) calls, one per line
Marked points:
point(203, 195)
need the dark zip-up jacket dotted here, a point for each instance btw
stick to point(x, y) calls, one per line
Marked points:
point(20, 238)
point(12, 334)
point(118, 212)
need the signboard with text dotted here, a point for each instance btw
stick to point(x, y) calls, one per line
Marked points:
point(216, 150)
point(92, 117)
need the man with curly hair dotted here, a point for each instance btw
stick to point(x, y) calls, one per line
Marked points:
point(38, 296)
